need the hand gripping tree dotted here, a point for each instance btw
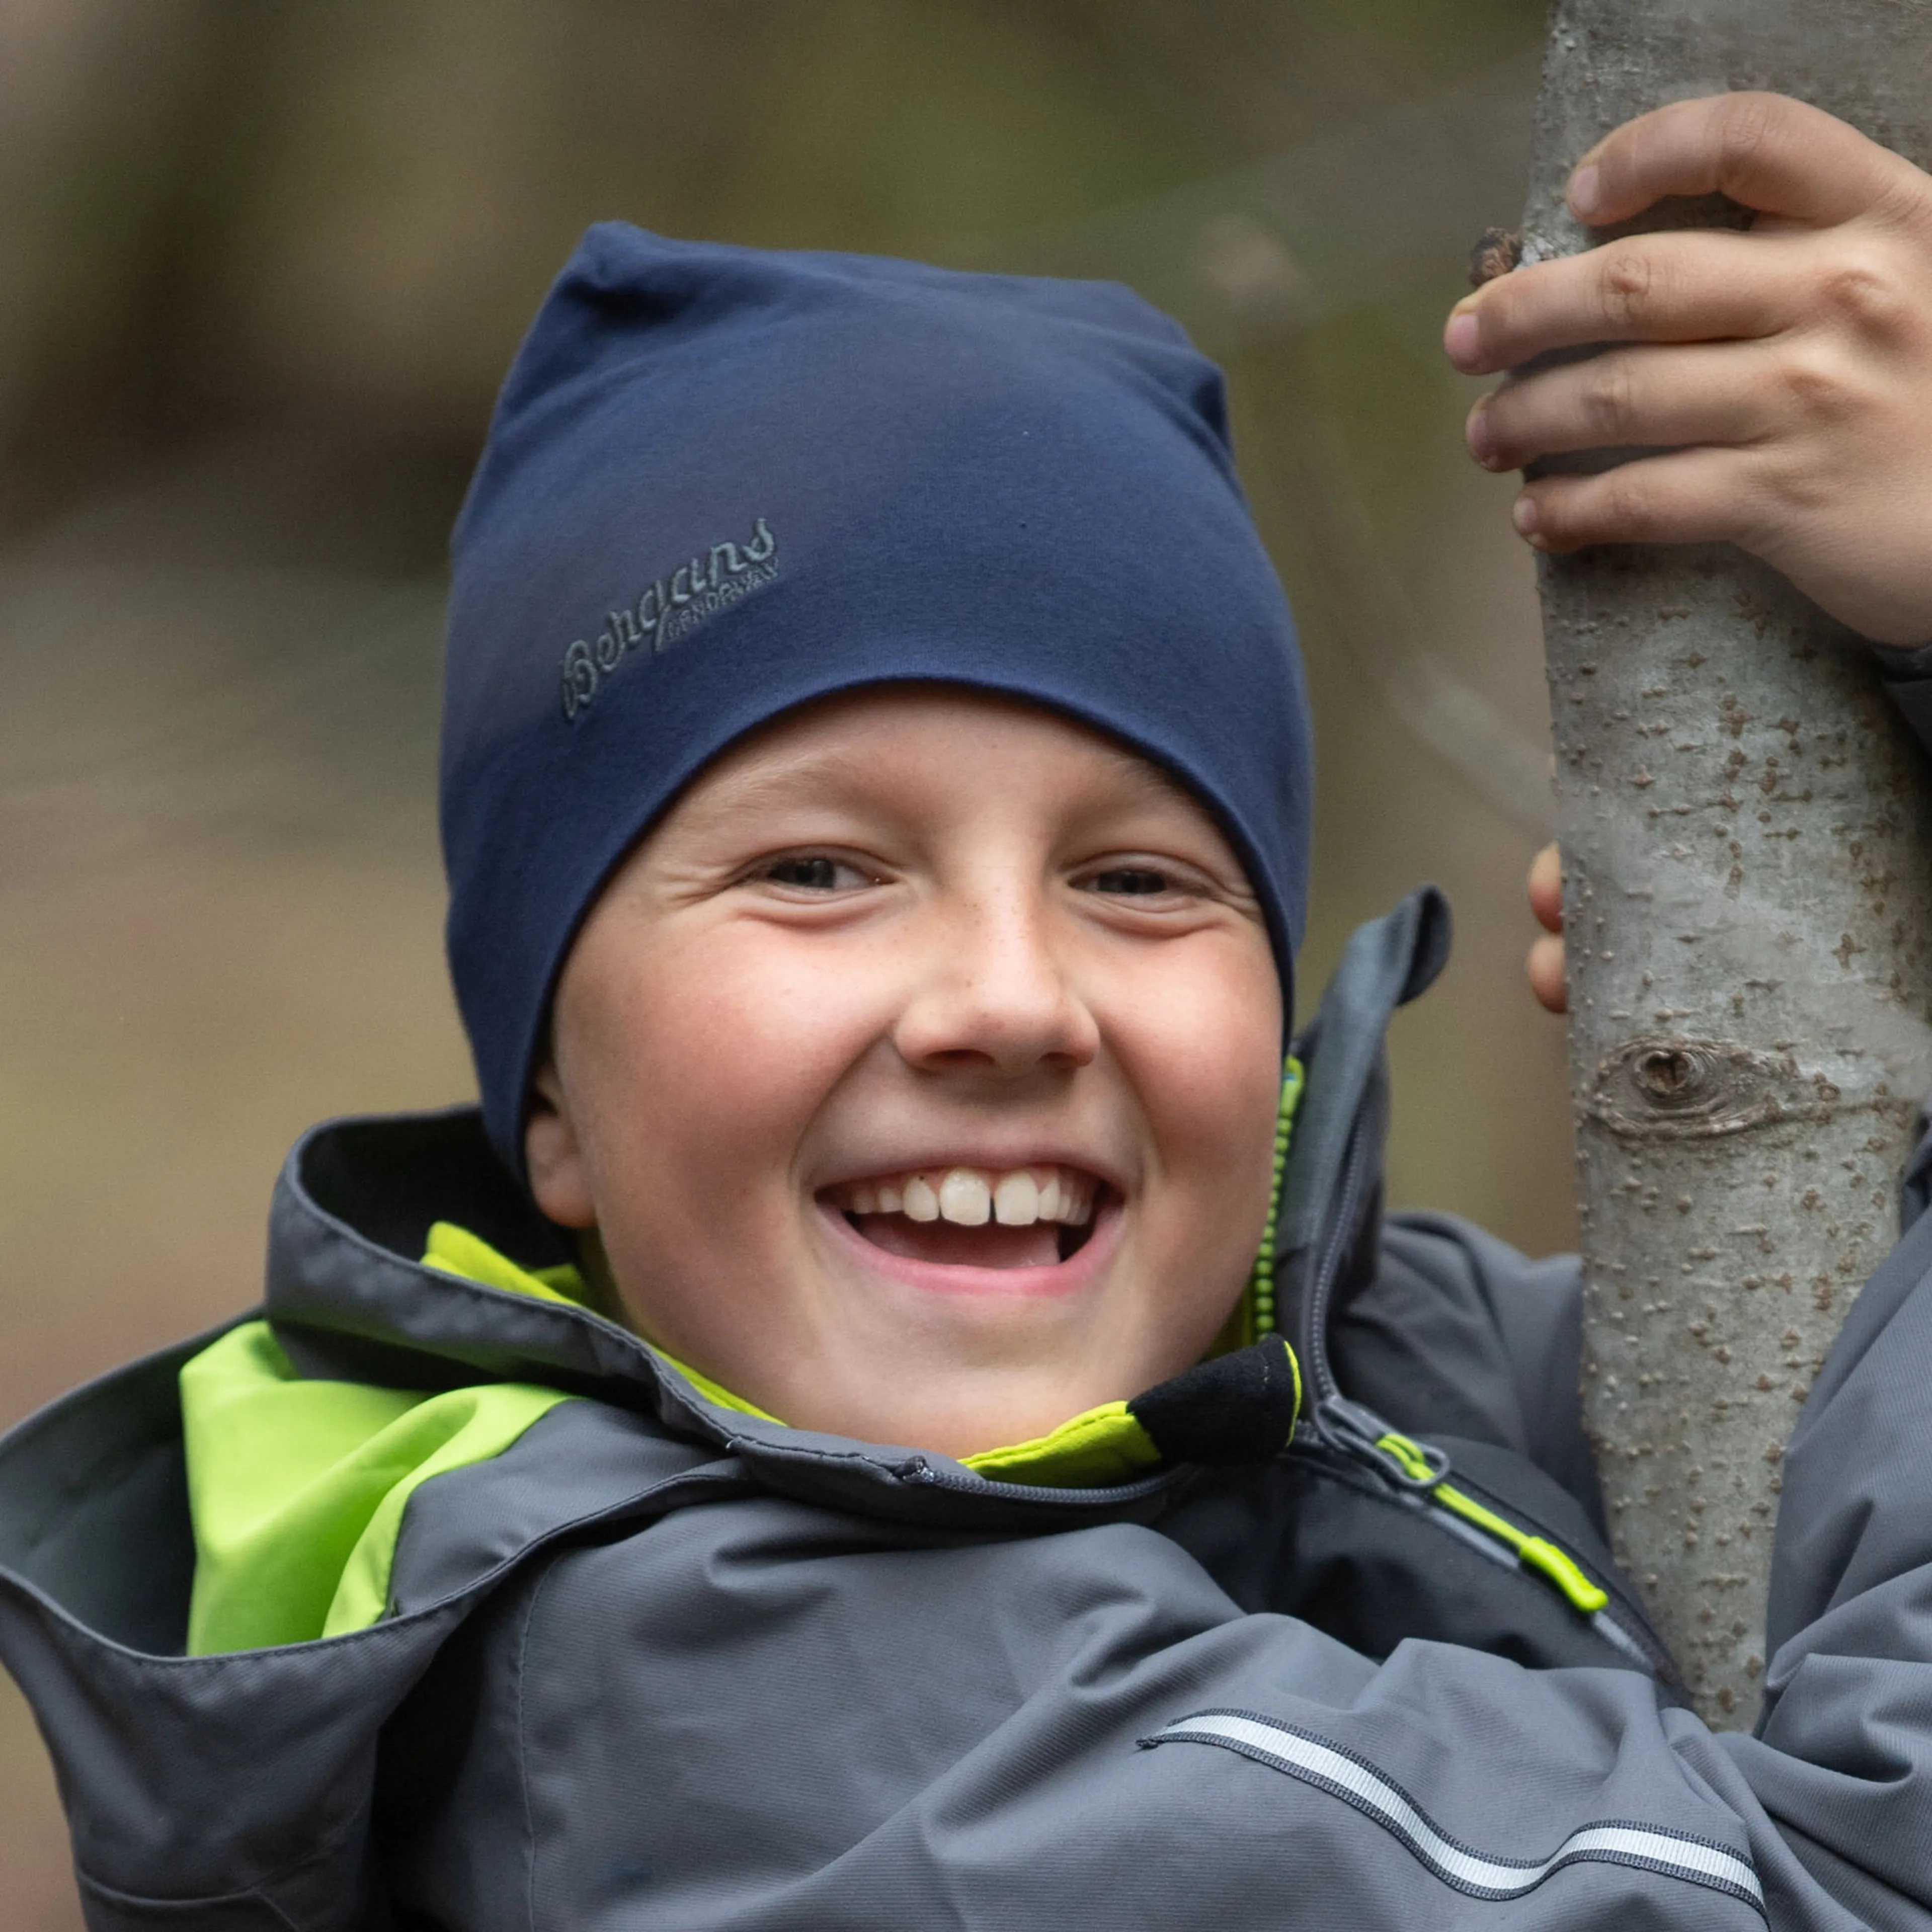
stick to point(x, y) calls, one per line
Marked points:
point(1747, 905)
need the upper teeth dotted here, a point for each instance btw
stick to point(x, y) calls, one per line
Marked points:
point(1014, 1197)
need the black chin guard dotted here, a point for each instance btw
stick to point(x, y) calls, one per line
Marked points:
point(1237, 1409)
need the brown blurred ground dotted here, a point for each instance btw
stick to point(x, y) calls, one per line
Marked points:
point(259, 269)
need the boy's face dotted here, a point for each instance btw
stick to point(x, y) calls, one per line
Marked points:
point(891, 975)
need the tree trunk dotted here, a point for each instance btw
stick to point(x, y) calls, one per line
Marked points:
point(1747, 904)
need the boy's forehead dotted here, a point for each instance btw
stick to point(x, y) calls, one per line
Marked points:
point(887, 737)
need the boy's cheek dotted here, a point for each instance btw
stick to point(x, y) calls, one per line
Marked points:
point(1210, 1042)
point(721, 1021)
point(1212, 1094)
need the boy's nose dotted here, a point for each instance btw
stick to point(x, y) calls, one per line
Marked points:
point(997, 996)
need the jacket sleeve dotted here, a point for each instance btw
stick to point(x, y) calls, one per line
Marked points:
point(1842, 1757)
point(1829, 1800)
point(1834, 1785)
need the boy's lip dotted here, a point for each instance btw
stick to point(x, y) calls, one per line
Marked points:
point(1062, 1278)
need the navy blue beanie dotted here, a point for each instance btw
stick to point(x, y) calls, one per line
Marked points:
point(720, 481)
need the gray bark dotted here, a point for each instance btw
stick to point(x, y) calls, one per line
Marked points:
point(1747, 903)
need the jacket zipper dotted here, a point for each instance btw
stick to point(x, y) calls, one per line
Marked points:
point(1322, 1278)
point(918, 1470)
point(1417, 1472)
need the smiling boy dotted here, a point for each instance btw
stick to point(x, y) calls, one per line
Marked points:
point(902, 1407)
point(1015, 1162)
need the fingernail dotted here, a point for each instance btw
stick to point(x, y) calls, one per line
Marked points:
point(1482, 444)
point(1458, 340)
point(1523, 515)
point(1586, 188)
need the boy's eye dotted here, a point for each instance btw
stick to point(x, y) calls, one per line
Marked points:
point(1131, 879)
point(813, 872)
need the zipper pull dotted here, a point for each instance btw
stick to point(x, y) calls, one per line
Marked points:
point(1351, 1426)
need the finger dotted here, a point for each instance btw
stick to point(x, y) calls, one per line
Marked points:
point(1670, 287)
point(1546, 887)
point(1688, 496)
point(1764, 150)
point(1545, 968)
point(1714, 393)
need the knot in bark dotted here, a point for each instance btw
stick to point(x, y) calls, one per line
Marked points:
point(1658, 1087)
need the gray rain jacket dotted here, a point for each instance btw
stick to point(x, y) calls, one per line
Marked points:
point(661, 1665)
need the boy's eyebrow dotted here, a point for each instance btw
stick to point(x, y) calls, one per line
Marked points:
point(1151, 778)
point(764, 783)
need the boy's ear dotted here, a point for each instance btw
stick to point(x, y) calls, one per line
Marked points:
point(553, 1156)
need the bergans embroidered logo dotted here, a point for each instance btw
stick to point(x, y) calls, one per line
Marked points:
point(671, 608)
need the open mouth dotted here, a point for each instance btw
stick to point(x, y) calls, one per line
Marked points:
point(1021, 1217)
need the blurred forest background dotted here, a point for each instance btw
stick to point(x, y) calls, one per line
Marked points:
point(261, 267)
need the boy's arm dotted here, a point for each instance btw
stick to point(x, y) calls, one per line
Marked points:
point(1842, 1756)
point(1784, 375)
point(1833, 1790)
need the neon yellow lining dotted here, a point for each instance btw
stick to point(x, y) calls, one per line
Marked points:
point(1535, 1551)
point(455, 1250)
point(296, 1488)
point(1101, 1445)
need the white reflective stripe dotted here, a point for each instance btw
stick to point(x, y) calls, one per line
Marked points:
point(1607, 1628)
point(1369, 1792)
point(1482, 1544)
